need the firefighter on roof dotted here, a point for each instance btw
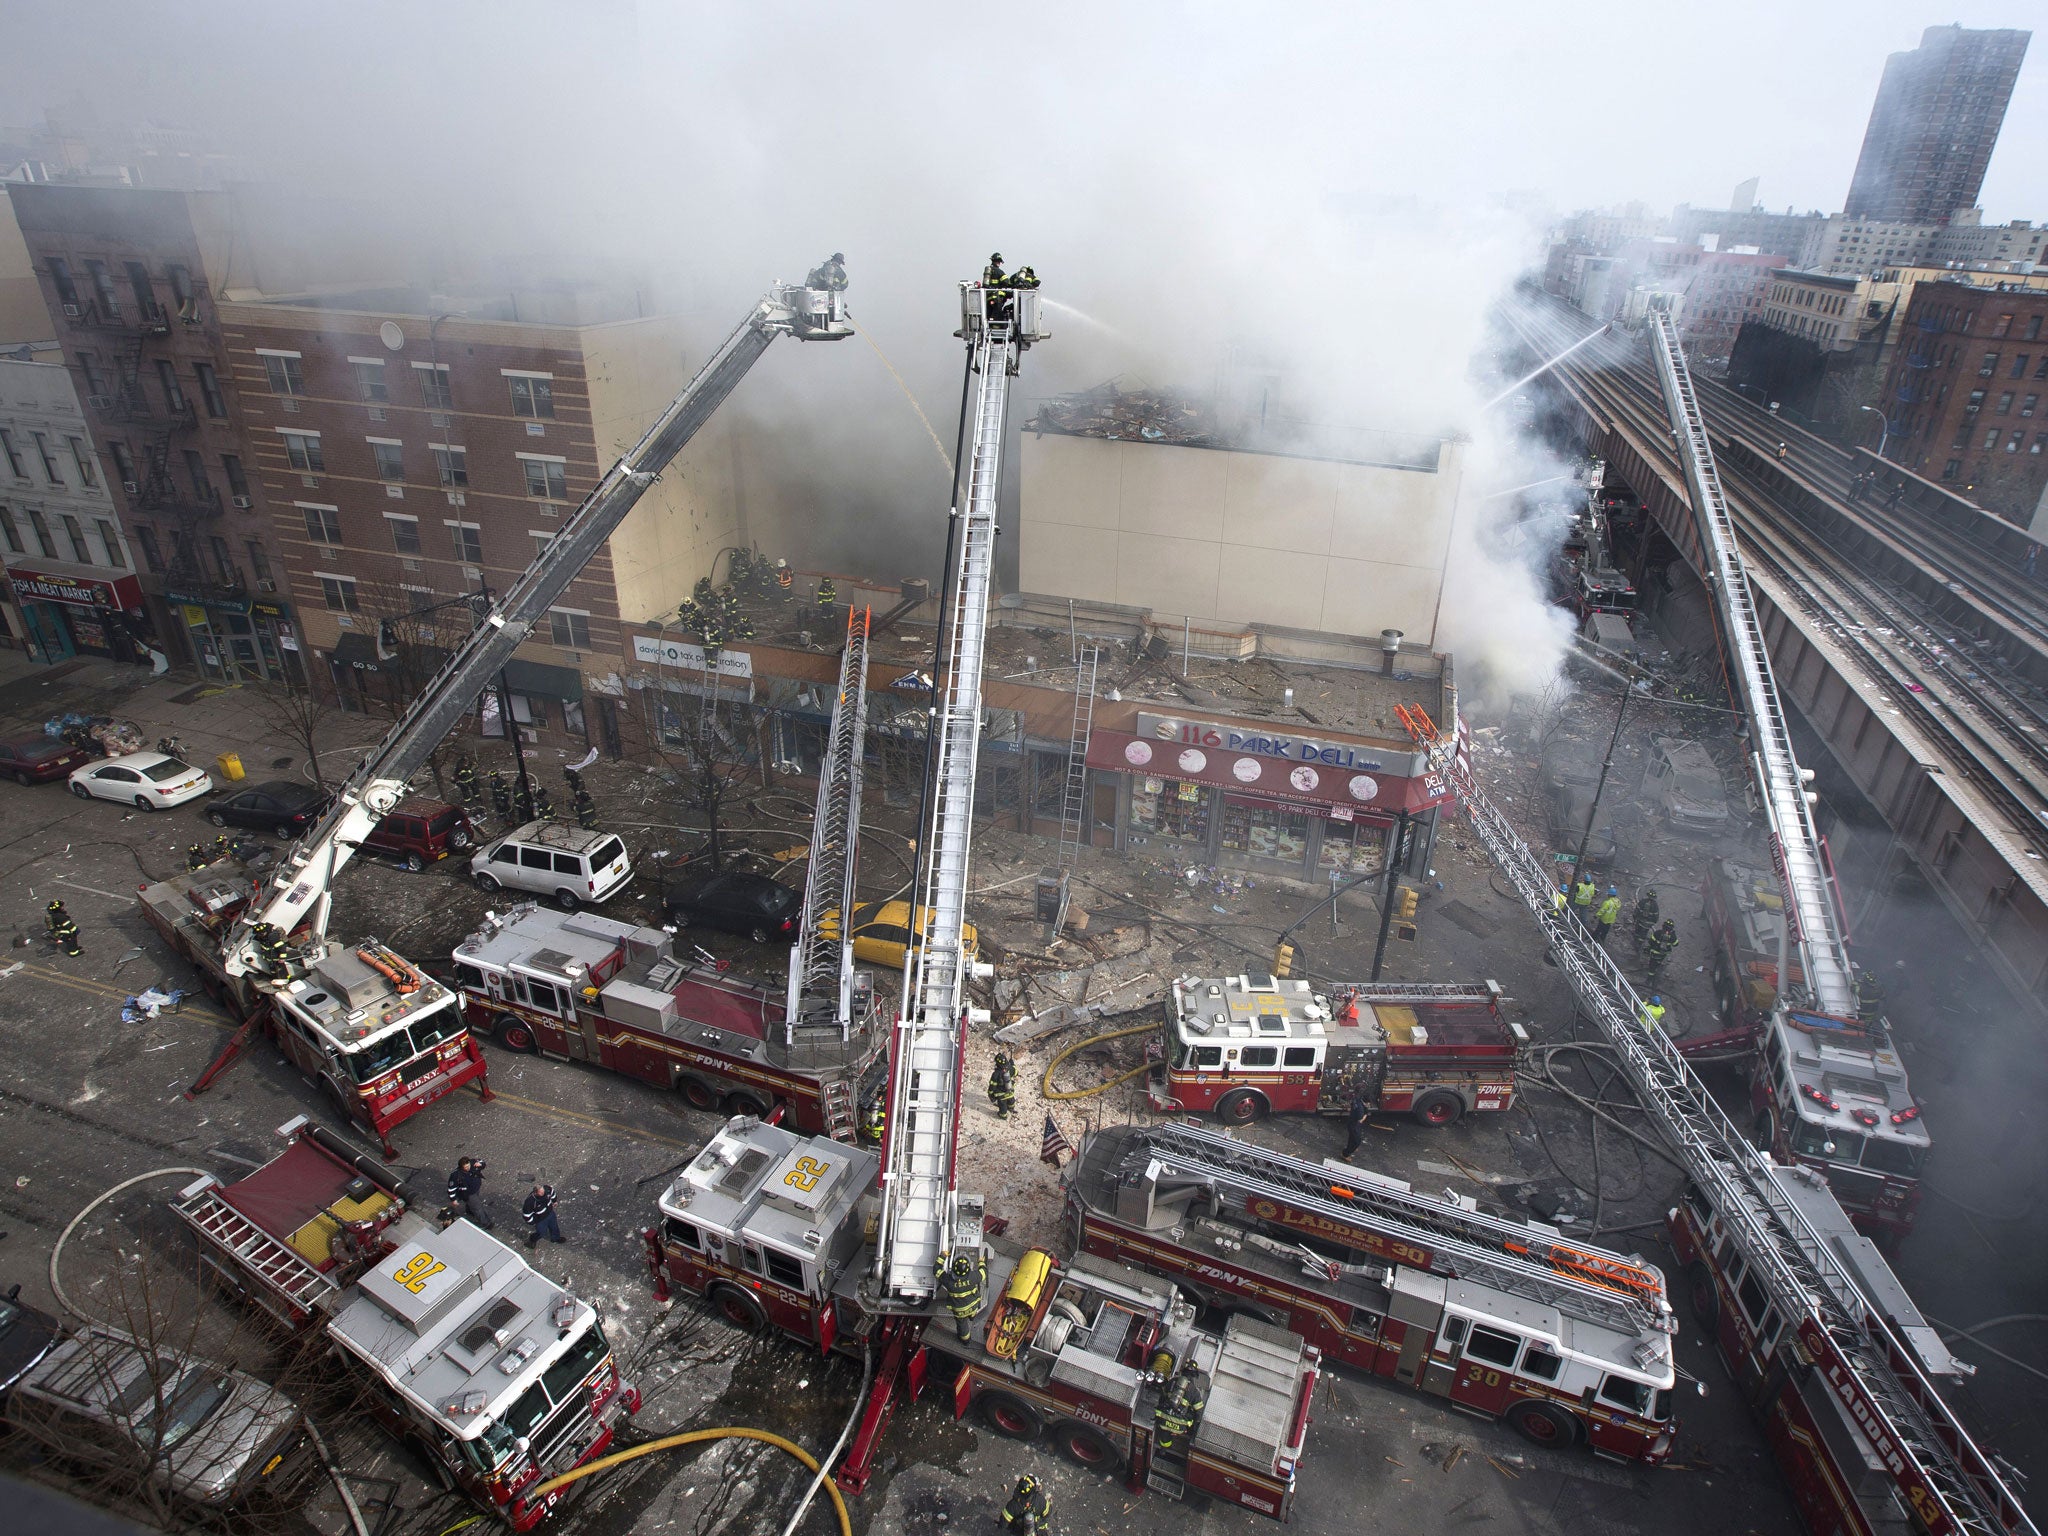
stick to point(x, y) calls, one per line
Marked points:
point(828, 593)
point(1002, 1085)
point(962, 1280)
point(63, 931)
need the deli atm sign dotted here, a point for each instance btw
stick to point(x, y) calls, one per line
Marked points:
point(1267, 741)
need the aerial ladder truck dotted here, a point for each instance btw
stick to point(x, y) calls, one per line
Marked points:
point(1845, 1384)
point(386, 1037)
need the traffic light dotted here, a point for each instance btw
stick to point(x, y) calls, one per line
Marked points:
point(1283, 959)
point(1405, 904)
point(387, 640)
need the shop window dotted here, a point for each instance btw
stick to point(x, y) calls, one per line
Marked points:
point(1262, 831)
point(1170, 809)
point(1352, 847)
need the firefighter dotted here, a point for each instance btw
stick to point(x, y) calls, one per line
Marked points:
point(1354, 1122)
point(63, 931)
point(270, 947)
point(466, 784)
point(874, 1121)
point(1180, 1408)
point(1869, 992)
point(1002, 1085)
point(195, 858)
point(221, 848)
point(828, 593)
point(501, 797)
point(1025, 278)
point(1029, 1512)
point(1561, 898)
point(785, 578)
point(1653, 1012)
point(1663, 940)
point(542, 806)
point(522, 798)
point(466, 1191)
point(1583, 892)
point(586, 810)
point(537, 1210)
point(993, 275)
point(962, 1281)
point(573, 779)
point(1643, 918)
point(829, 274)
point(1607, 915)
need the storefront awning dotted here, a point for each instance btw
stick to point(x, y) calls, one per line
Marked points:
point(1273, 778)
point(543, 681)
point(355, 650)
point(34, 585)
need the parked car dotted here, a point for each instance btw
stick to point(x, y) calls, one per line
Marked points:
point(881, 932)
point(754, 905)
point(574, 867)
point(26, 1335)
point(1684, 781)
point(202, 1432)
point(149, 781)
point(283, 806)
point(39, 759)
point(418, 832)
point(1568, 806)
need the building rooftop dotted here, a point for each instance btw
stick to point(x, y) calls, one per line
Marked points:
point(1173, 420)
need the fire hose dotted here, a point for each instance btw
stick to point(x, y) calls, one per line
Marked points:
point(1046, 1089)
point(694, 1437)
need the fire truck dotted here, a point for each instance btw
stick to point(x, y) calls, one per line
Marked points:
point(1242, 1047)
point(387, 1038)
point(580, 987)
point(380, 1038)
point(769, 1227)
point(494, 1373)
point(1570, 1344)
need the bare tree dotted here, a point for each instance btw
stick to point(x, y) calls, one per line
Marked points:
point(412, 646)
point(300, 715)
point(707, 745)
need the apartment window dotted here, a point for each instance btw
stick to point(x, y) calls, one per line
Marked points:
point(533, 394)
point(541, 541)
point(2003, 325)
point(469, 542)
point(2034, 328)
point(238, 482)
point(1989, 366)
point(453, 463)
point(2041, 369)
point(42, 533)
point(571, 628)
point(2005, 403)
point(405, 533)
point(1991, 439)
point(95, 381)
point(209, 390)
point(323, 524)
point(2028, 405)
point(370, 378)
point(303, 449)
point(545, 477)
point(2019, 366)
point(282, 369)
point(152, 555)
point(195, 471)
point(2012, 444)
point(174, 396)
point(82, 457)
point(1976, 399)
point(2040, 440)
point(110, 541)
point(223, 560)
point(181, 282)
point(13, 458)
point(259, 562)
point(74, 535)
point(60, 279)
point(390, 458)
point(103, 288)
point(339, 593)
point(11, 533)
point(436, 391)
point(50, 469)
point(139, 285)
point(124, 462)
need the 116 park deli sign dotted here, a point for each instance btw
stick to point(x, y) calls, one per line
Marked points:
point(1293, 749)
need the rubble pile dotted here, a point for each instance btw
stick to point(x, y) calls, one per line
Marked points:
point(1146, 415)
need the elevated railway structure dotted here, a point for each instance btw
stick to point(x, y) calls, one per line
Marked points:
point(1902, 622)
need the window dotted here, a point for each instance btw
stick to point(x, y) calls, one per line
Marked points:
point(195, 471)
point(453, 463)
point(1631, 1395)
point(534, 858)
point(11, 533)
point(174, 393)
point(282, 369)
point(2040, 439)
point(783, 1269)
point(323, 524)
point(13, 458)
point(2033, 327)
point(50, 470)
point(533, 394)
point(1299, 1056)
point(2005, 403)
point(1753, 1299)
point(469, 542)
point(74, 535)
point(680, 1232)
point(181, 282)
point(2019, 367)
point(545, 477)
point(223, 560)
point(1991, 439)
point(124, 465)
point(60, 279)
point(152, 555)
point(87, 473)
point(572, 632)
point(370, 383)
point(1258, 1056)
point(541, 541)
point(110, 542)
point(1541, 1363)
point(209, 390)
point(2041, 368)
point(2029, 405)
point(238, 482)
point(259, 560)
point(1208, 1056)
point(1492, 1346)
point(572, 720)
point(1989, 366)
point(42, 533)
point(339, 593)
point(1951, 469)
point(2012, 444)
point(95, 381)
point(405, 534)
point(303, 449)
point(138, 284)
point(103, 288)
point(390, 458)
point(436, 390)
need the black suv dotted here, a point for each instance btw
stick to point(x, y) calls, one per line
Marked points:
point(753, 905)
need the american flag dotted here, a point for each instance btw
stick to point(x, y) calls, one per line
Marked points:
point(1054, 1144)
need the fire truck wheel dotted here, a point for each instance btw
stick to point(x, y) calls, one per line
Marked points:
point(1543, 1424)
point(514, 1033)
point(1086, 1447)
point(1706, 1301)
point(1241, 1106)
point(1011, 1417)
point(739, 1308)
point(1763, 1130)
point(1438, 1108)
point(697, 1093)
point(745, 1104)
point(437, 1469)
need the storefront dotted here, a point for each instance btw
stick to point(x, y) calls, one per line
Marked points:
point(1217, 792)
point(71, 615)
point(238, 639)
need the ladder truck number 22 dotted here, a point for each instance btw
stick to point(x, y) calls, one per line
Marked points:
point(805, 1174)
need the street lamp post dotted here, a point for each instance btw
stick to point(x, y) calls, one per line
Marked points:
point(1884, 435)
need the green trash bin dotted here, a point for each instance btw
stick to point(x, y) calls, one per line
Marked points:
point(230, 765)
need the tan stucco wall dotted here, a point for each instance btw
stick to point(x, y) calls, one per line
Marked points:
point(23, 315)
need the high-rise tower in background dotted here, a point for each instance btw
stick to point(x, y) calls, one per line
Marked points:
point(1934, 123)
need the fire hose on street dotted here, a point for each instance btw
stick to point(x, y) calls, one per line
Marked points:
point(1046, 1089)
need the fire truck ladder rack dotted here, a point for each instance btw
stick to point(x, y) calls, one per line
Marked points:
point(278, 1263)
point(1816, 926)
point(305, 877)
point(1589, 1284)
point(1943, 1476)
point(821, 969)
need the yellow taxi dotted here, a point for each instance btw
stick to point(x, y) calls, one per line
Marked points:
point(881, 932)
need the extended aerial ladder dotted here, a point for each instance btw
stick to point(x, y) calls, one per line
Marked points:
point(301, 890)
point(1533, 1263)
point(821, 967)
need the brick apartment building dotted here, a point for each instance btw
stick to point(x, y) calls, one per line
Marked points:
point(1965, 393)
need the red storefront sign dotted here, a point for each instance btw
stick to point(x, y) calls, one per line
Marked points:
point(1305, 784)
point(115, 592)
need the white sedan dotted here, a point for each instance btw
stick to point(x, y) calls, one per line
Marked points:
point(149, 781)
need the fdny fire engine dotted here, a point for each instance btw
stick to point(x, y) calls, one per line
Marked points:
point(500, 1377)
point(1570, 1344)
point(1243, 1047)
point(769, 1227)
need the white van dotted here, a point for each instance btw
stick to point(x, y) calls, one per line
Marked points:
point(573, 867)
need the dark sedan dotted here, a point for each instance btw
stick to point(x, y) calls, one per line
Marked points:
point(739, 903)
point(39, 759)
point(282, 807)
point(26, 1335)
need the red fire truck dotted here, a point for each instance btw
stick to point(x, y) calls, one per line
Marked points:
point(380, 1038)
point(1569, 1344)
point(500, 1377)
point(1246, 1046)
point(580, 987)
point(770, 1228)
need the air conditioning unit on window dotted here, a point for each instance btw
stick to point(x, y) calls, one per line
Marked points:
point(100, 402)
point(266, 584)
point(243, 501)
point(131, 487)
point(71, 311)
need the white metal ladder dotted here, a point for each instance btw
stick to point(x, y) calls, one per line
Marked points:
point(821, 969)
point(1074, 808)
point(280, 1265)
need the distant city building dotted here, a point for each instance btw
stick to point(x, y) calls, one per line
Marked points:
point(2017, 246)
point(1850, 246)
point(1607, 230)
point(1934, 124)
point(1818, 350)
point(1771, 234)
